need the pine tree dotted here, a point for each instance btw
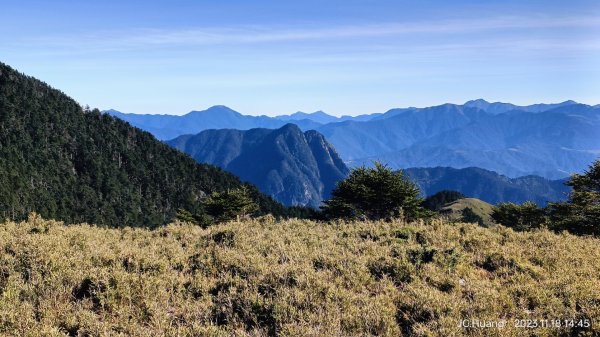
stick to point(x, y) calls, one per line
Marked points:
point(230, 204)
point(581, 213)
point(184, 215)
point(375, 193)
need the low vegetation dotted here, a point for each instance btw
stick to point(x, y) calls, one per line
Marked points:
point(262, 277)
point(469, 210)
point(580, 214)
point(375, 193)
point(440, 199)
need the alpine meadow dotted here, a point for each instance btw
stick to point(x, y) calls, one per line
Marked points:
point(279, 168)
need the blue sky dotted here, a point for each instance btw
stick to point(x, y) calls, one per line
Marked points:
point(278, 57)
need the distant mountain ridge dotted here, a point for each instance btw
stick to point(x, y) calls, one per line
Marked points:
point(552, 144)
point(550, 140)
point(166, 127)
point(499, 107)
point(357, 140)
point(488, 186)
point(324, 118)
point(318, 116)
point(294, 167)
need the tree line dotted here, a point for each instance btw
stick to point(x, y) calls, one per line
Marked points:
point(580, 214)
point(380, 193)
point(75, 164)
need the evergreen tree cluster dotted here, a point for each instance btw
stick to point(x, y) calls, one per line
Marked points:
point(468, 215)
point(440, 199)
point(79, 165)
point(377, 193)
point(580, 214)
point(520, 217)
point(221, 206)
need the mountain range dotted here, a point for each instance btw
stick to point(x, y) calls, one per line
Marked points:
point(301, 168)
point(165, 127)
point(294, 167)
point(488, 186)
point(552, 144)
point(324, 118)
point(77, 165)
point(499, 107)
point(549, 140)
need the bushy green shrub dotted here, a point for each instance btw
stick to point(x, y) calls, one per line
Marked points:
point(437, 201)
point(230, 204)
point(581, 213)
point(375, 193)
point(519, 217)
point(468, 215)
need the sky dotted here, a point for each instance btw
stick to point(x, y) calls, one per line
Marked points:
point(277, 57)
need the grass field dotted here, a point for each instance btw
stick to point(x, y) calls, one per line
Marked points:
point(292, 278)
point(453, 211)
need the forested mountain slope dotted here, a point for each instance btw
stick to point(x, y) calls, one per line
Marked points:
point(78, 165)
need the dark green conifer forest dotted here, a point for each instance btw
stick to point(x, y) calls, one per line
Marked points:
point(79, 165)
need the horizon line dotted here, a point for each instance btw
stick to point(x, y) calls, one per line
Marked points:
point(340, 115)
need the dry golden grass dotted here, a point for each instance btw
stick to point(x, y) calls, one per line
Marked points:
point(291, 278)
point(453, 211)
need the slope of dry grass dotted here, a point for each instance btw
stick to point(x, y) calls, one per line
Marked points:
point(291, 278)
point(453, 210)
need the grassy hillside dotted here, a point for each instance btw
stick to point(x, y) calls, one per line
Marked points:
point(454, 210)
point(291, 278)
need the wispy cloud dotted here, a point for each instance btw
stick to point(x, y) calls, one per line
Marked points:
point(207, 36)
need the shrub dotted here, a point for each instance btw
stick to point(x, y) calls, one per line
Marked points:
point(468, 215)
point(228, 279)
point(375, 193)
point(581, 213)
point(230, 204)
point(519, 217)
point(393, 269)
point(440, 199)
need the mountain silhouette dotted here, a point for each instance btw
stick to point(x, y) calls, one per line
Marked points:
point(294, 167)
point(488, 186)
point(550, 140)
